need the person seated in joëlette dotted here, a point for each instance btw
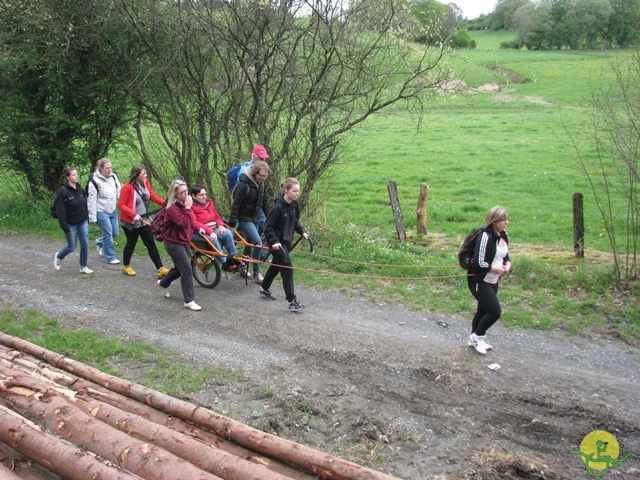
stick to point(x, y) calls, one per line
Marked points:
point(208, 222)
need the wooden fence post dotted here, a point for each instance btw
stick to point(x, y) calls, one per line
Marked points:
point(578, 225)
point(397, 211)
point(421, 211)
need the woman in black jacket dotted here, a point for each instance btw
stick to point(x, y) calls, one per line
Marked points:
point(282, 223)
point(73, 217)
point(249, 200)
point(491, 261)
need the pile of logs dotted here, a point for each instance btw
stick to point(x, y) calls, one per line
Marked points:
point(61, 419)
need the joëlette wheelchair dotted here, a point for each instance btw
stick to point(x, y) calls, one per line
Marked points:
point(207, 269)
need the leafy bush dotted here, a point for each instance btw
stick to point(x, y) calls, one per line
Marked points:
point(511, 45)
point(461, 39)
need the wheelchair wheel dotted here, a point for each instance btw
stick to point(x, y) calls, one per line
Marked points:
point(206, 269)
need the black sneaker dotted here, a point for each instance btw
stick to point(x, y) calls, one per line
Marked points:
point(294, 306)
point(266, 294)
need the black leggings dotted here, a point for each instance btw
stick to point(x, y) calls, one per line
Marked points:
point(281, 257)
point(149, 241)
point(489, 310)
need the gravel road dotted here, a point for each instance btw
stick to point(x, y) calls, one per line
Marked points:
point(376, 383)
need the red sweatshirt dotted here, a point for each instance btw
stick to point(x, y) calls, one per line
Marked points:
point(204, 214)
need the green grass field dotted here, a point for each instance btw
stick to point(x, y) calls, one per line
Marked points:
point(491, 40)
point(476, 150)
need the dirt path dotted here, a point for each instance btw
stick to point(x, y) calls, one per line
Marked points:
point(390, 388)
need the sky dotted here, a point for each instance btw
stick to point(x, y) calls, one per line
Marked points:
point(473, 8)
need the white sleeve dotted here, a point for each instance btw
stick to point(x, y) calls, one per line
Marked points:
point(92, 201)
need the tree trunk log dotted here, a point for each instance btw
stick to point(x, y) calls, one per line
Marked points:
point(324, 465)
point(23, 467)
point(45, 406)
point(205, 437)
point(211, 459)
point(65, 460)
point(6, 474)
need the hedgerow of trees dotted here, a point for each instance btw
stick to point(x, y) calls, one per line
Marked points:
point(574, 24)
point(198, 83)
point(59, 103)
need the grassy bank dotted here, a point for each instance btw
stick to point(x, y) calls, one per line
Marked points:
point(162, 370)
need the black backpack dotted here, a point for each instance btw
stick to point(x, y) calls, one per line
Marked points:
point(95, 184)
point(86, 189)
point(468, 247)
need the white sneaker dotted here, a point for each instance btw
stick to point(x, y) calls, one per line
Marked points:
point(86, 270)
point(165, 292)
point(115, 261)
point(477, 342)
point(258, 278)
point(56, 261)
point(487, 347)
point(193, 306)
point(99, 249)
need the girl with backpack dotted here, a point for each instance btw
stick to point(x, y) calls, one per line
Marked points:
point(492, 260)
point(103, 191)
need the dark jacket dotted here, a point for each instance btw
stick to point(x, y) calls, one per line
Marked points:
point(485, 251)
point(179, 228)
point(71, 206)
point(282, 222)
point(249, 198)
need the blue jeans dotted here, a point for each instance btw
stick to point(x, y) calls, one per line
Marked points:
point(108, 223)
point(226, 240)
point(251, 235)
point(81, 232)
